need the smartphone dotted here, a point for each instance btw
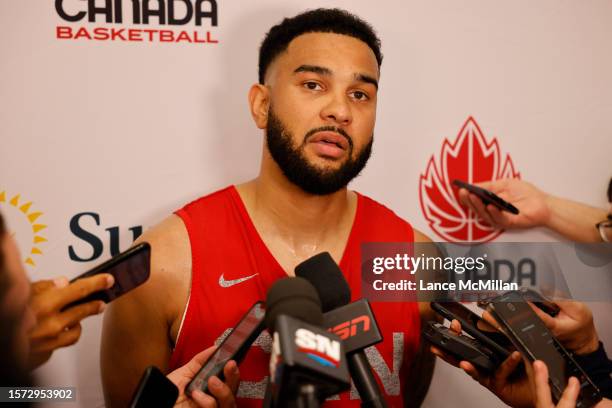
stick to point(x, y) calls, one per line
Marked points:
point(547, 305)
point(473, 325)
point(154, 390)
point(234, 347)
point(487, 197)
point(130, 270)
point(533, 339)
point(460, 347)
point(539, 300)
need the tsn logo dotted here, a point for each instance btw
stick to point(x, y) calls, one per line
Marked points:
point(318, 347)
point(349, 329)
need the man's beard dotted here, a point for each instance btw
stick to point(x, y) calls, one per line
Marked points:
point(295, 166)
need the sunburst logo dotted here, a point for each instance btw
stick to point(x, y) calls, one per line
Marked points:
point(24, 225)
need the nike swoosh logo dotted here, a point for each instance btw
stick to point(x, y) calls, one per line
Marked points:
point(229, 283)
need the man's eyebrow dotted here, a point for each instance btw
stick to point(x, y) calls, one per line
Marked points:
point(326, 71)
point(313, 68)
point(367, 79)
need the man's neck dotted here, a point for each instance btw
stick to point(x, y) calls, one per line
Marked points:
point(286, 215)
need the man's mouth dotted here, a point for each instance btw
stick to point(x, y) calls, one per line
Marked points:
point(331, 139)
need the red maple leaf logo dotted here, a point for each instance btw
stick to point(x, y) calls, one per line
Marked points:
point(469, 158)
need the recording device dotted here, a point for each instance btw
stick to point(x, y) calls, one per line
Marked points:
point(474, 325)
point(354, 322)
point(460, 347)
point(307, 363)
point(487, 196)
point(130, 270)
point(234, 347)
point(533, 339)
point(154, 390)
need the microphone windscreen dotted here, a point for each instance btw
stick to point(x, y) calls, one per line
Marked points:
point(294, 297)
point(325, 275)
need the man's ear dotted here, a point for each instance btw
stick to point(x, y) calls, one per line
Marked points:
point(259, 102)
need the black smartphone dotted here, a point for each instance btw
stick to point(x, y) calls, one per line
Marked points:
point(547, 305)
point(460, 347)
point(154, 390)
point(539, 300)
point(130, 270)
point(487, 197)
point(473, 325)
point(533, 339)
point(234, 347)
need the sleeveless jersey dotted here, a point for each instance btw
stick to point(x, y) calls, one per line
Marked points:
point(224, 241)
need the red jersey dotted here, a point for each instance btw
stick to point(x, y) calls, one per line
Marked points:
point(225, 247)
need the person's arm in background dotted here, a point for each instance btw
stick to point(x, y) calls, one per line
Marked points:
point(574, 220)
point(56, 328)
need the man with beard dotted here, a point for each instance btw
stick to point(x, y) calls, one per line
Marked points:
point(316, 101)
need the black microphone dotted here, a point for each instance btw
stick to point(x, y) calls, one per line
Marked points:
point(308, 362)
point(354, 322)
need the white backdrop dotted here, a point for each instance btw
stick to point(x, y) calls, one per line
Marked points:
point(133, 130)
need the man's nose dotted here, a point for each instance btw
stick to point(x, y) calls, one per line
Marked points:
point(337, 110)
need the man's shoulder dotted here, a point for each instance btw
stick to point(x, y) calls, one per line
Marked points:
point(372, 207)
point(170, 255)
point(209, 202)
point(378, 216)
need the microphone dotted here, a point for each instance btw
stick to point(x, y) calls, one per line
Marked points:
point(353, 322)
point(307, 364)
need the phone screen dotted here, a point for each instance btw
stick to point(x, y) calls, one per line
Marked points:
point(534, 338)
point(234, 347)
point(130, 270)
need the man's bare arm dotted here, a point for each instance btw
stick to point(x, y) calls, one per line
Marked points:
point(137, 326)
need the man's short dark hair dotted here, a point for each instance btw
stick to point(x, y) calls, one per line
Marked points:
point(321, 20)
point(610, 191)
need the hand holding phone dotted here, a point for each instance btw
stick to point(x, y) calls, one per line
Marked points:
point(487, 197)
point(533, 203)
point(573, 325)
point(535, 342)
point(130, 269)
point(460, 347)
point(476, 327)
point(60, 306)
point(56, 327)
point(234, 347)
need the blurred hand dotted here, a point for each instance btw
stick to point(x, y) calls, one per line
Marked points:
point(538, 375)
point(223, 393)
point(514, 391)
point(573, 326)
point(55, 328)
point(531, 202)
